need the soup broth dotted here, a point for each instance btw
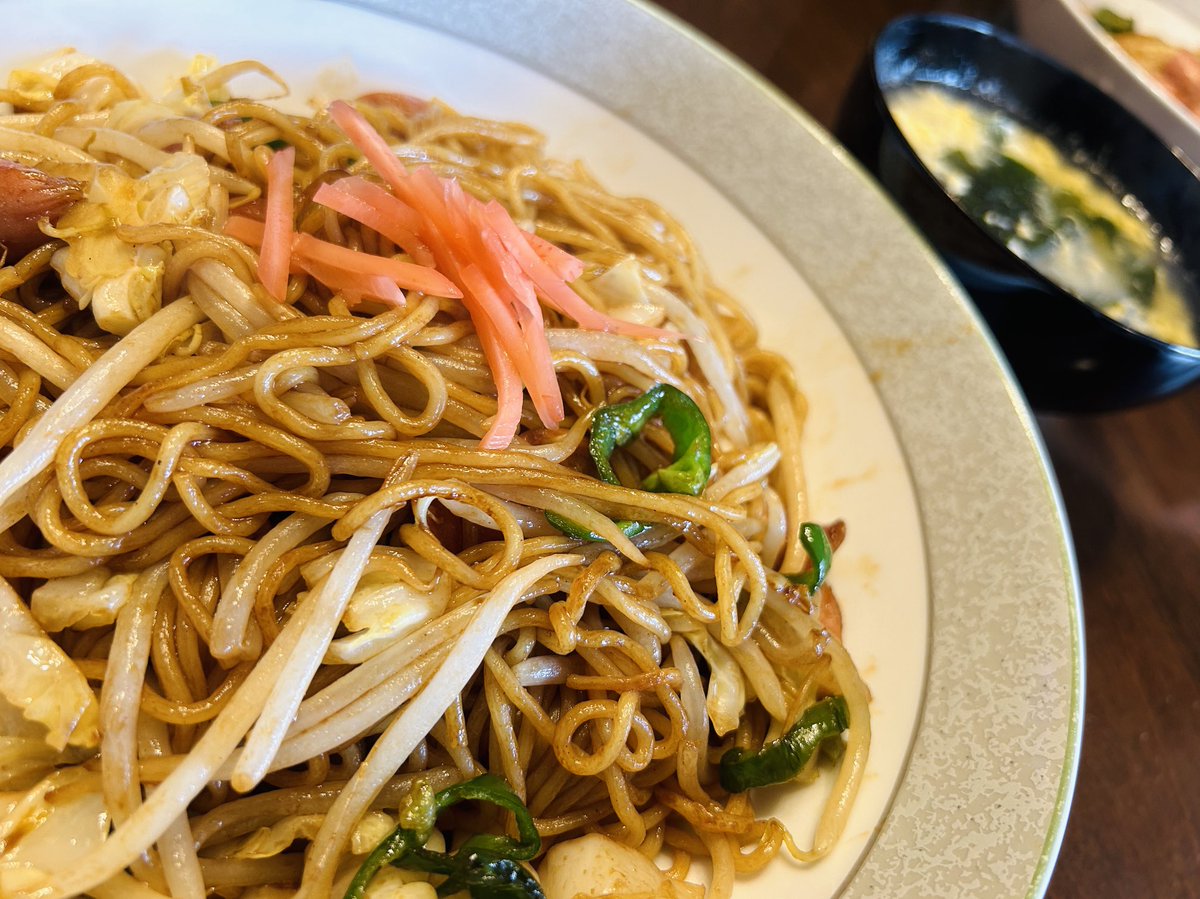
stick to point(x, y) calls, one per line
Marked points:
point(1049, 210)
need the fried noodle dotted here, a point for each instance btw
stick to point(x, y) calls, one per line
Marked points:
point(307, 585)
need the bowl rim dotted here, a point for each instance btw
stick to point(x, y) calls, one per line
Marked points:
point(989, 30)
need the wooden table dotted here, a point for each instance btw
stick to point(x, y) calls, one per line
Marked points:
point(1131, 482)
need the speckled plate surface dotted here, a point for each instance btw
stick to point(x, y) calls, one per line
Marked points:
point(957, 579)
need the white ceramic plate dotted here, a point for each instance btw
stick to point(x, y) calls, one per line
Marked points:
point(1066, 30)
point(956, 579)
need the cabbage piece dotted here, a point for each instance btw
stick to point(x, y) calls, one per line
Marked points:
point(727, 690)
point(61, 827)
point(193, 98)
point(103, 268)
point(175, 192)
point(123, 282)
point(24, 756)
point(122, 303)
point(130, 115)
point(40, 679)
point(392, 883)
point(624, 293)
point(24, 761)
point(596, 866)
point(268, 841)
point(82, 601)
point(36, 84)
point(382, 608)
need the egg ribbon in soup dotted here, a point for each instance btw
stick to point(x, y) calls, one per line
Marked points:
point(1049, 211)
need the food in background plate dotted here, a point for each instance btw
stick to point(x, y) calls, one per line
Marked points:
point(1053, 212)
point(275, 490)
point(1175, 68)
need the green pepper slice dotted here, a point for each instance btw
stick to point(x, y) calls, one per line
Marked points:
point(782, 759)
point(576, 531)
point(816, 545)
point(486, 865)
point(1112, 22)
point(616, 425)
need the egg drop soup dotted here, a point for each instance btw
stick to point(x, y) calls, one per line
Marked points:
point(1051, 211)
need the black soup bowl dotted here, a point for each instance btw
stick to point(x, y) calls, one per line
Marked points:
point(1067, 355)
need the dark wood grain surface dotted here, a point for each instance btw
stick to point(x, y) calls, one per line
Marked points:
point(1131, 483)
